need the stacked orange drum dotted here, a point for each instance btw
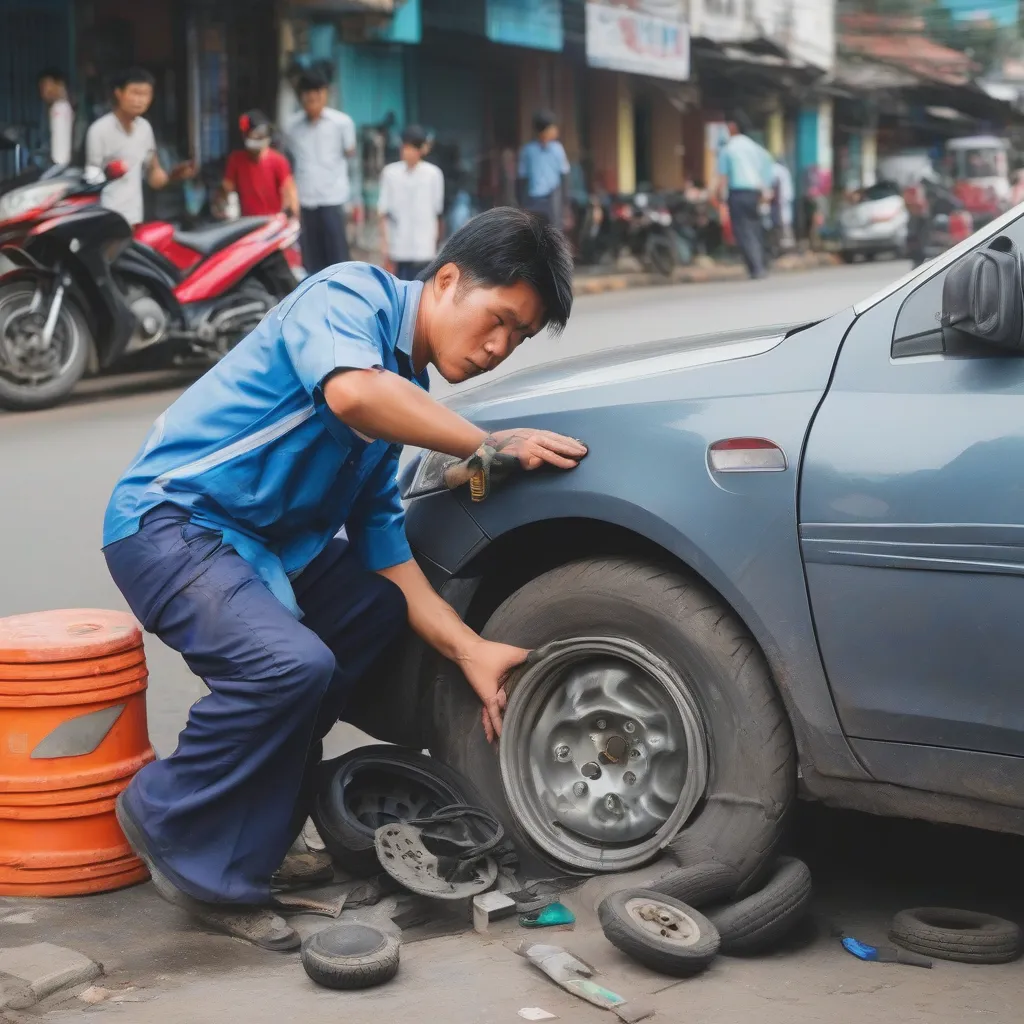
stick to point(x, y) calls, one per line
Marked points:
point(72, 734)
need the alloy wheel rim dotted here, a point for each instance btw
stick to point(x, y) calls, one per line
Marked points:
point(24, 360)
point(604, 753)
point(663, 921)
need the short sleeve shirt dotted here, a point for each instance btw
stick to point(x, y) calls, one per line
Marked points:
point(318, 151)
point(106, 141)
point(252, 450)
point(258, 182)
point(412, 200)
point(543, 167)
point(746, 165)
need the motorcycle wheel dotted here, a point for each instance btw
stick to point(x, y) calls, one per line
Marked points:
point(33, 378)
point(659, 254)
point(249, 291)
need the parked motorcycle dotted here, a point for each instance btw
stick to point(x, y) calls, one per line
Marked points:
point(80, 293)
point(641, 224)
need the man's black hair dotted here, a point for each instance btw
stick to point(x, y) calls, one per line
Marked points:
point(310, 81)
point(132, 76)
point(741, 119)
point(504, 246)
point(253, 119)
point(414, 135)
point(543, 120)
point(52, 72)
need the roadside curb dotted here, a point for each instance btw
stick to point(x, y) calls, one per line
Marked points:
point(597, 285)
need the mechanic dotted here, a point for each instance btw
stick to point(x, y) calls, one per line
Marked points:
point(222, 536)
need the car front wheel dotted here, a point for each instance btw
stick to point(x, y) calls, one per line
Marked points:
point(650, 719)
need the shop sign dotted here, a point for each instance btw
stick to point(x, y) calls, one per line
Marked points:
point(624, 39)
point(533, 23)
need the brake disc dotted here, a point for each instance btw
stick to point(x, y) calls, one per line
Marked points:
point(404, 857)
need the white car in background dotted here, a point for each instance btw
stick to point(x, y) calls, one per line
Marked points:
point(877, 224)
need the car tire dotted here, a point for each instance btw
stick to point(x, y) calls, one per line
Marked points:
point(960, 935)
point(761, 920)
point(423, 785)
point(751, 759)
point(700, 885)
point(848, 257)
point(678, 941)
point(351, 956)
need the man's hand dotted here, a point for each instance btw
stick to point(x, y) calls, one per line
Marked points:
point(486, 665)
point(183, 171)
point(534, 448)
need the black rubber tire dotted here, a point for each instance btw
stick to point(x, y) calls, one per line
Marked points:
point(350, 841)
point(961, 935)
point(848, 257)
point(757, 923)
point(659, 254)
point(662, 955)
point(752, 769)
point(351, 956)
point(698, 886)
point(17, 399)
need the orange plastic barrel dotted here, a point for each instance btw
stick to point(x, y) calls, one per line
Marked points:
point(72, 734)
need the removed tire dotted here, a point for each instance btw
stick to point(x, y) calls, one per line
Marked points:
point(760, 921)
point(961, 935)
point(659, 932)
point(374, 786)
point(351, 956)
point(673, 723)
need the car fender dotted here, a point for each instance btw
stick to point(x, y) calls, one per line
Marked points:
point(647, 472)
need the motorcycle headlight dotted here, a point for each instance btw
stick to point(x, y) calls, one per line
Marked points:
point(425, 474)
point(20, 200)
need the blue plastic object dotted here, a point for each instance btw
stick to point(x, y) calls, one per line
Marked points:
point(861, 950)
point(552, 914)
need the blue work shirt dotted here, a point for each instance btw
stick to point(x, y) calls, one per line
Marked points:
point(542, 166)
point(746, 165)
point(253, 451)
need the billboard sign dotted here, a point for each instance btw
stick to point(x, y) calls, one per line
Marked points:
point(627, 39)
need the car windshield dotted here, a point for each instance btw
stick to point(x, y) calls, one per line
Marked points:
point(881, 190)
point(981, 163)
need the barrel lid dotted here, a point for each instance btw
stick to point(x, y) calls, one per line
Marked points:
point(65, 634)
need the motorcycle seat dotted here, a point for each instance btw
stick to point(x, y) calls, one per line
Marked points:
point(209, 240)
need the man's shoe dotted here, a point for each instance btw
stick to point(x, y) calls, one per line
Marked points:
point(258, 925)
point(299, 870)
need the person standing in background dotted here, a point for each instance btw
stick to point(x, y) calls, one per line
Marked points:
point(747, 171)
point(544, 171)
point(782, 206)
point(410, 206)
point(261, 176)
point(126, 136)
point(321, 141)
point(53, 91)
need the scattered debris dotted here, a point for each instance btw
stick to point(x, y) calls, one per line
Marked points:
point(574, 975)
point(551, 916)
point(536, 1013)
point(94, 994)
point(45, 968)
point(293, 902)
point(491, 906)
point(883, 954)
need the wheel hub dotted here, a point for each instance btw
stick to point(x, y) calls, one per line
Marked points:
point(24, 357)
point(664, 921)
point(604, 755)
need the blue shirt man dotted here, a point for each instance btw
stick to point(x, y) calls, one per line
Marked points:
point(745, 165)
point(223, 538)
point(747, 172)
point(543, 167)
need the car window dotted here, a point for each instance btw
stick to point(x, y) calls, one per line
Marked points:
point(917, 331)
point(881, 190)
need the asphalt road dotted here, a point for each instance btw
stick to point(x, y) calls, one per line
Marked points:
point(58, 467)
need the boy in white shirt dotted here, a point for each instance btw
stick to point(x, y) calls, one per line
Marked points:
point(410, 205)
point(53, 91)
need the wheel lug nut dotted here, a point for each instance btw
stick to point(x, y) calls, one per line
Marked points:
point(562, 753)
point(580, 789)
point(601, 724)
point(629, 778)
point(634, 755)
point(629, 727)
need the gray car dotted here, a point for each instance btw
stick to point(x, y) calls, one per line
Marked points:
point(791, 565)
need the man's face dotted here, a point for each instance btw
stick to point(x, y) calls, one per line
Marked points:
point(549, 134)
point(411, 154)
point(134, 99)
point(49, 90)
point(476, 328)
point(313, 102)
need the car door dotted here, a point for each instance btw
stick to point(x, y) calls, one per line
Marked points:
point(912, 533)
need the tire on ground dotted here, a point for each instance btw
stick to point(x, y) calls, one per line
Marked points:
point(756, 923)
point(961, 935)
point(349, 841)
point(751, 752)
point(679, 956)
point(351, 956)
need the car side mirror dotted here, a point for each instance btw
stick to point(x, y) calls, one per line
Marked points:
point(115, 169)
point(983, 296)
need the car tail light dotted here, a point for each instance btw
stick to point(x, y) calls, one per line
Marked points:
point(746, 455)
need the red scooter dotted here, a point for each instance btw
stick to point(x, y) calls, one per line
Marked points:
point(80, 292)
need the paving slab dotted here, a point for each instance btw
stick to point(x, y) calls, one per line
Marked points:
point(45, 968)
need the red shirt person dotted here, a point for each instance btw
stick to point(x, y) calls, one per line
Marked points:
point(261, 176)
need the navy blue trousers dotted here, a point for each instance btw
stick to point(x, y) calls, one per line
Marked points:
point(324, 241)
point(220, 813)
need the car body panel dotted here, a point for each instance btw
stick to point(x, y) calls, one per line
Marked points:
point(648, 415)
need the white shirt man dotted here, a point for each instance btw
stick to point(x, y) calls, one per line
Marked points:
point(410, 206)
point(60, 115)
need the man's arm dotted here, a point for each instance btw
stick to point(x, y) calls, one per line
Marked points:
point(290, 196)
point(61, 124)
point(485, 664)
point(348, 137)
point(383, 209)
point(93, 148)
